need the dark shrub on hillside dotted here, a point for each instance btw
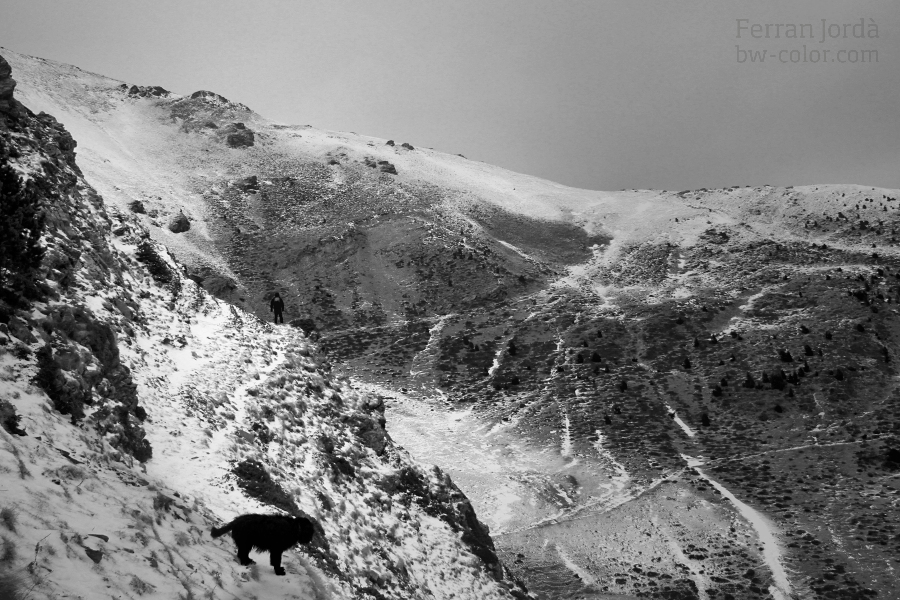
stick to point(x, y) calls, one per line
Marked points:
point(130, 436)
point(158, 268)
point(258, 484)
point(749, 383)
point(785, 356)
point(304, 323)
point(778, 379)
point(893, 457)
point(21, 226)
point(9, 419)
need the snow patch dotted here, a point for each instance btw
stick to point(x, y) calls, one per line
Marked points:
point(684, 426)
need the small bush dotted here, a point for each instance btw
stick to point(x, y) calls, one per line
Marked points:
point(162, 503)
point(182, 538)
point(258, 484)
point(9, 420)
point(9, 518)
point(8, 553)
point(140, 586)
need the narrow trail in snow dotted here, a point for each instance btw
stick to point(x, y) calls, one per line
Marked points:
point(684, 426)
point(781, 590)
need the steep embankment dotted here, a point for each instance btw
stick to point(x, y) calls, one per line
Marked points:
point(139, 411)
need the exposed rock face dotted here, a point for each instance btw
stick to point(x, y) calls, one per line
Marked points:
point(214, 283)
point(7, 85)
point(248, 183)
point(238, 135)
point(210, 96)
point(78, 360)
point(179, 223)
point(219, 100)
point(147, 91)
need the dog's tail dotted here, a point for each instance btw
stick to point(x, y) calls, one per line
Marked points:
point(218, 531)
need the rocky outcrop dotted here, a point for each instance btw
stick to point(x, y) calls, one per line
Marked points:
point(179, 223)
point(7, 85)
point(238, 135)
point(75, 347)
point(248, 184)
point(146, 91)
point(218, 100)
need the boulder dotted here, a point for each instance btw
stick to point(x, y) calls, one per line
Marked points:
point(179, 223)
point(94, 555)
point(248, 183)
point(238, 135)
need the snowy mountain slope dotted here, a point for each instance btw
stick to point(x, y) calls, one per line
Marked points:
point(598, 348)
point(148, 411)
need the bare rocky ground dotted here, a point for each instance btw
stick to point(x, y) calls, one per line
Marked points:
point(745, 336)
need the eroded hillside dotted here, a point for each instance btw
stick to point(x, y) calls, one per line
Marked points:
point(138, 411)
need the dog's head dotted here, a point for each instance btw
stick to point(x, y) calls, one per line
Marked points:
point(305, 530)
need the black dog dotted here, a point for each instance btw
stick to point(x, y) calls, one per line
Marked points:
point(274, 533)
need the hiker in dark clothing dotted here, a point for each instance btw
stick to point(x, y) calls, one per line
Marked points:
point(277, 306)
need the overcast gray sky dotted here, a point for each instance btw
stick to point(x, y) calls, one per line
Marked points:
point(599, 94)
